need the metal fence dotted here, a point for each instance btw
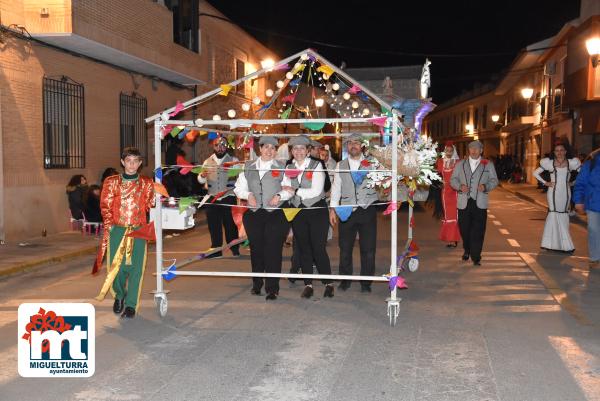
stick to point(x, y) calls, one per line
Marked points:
point(133, 110)
point(64, 127)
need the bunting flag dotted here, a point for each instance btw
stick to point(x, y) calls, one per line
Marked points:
point(146, 232)
point(217, 196)
point(391, 207)
point(289, 98)
point(178, 108)
point(379, 121)
point(292, 172)
point(202, 132)
point(198, 170)
point(186, 166)
point(291, 212)
point(212, 135)
point(160, 189)
point(225, 89)
point(203, 200)
point(185, 202)
point(183, 133)
point(358, 176)
point(363, 96)
point(158, 173)
point(325, 69)
point(397, 282)
point(314, 126)
point(281, 67)
point(298, 67)
point(286, 113)
point(250, 143)
point(343, 212)
point(169, 274)
point(176, 130)
point(354, 89)
point(234, 172)
point(231, 141)
point(295, 82)
point(191, 136)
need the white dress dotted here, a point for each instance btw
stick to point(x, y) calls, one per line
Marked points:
point(556, 230)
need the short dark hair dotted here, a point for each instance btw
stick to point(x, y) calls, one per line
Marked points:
point(130, 151)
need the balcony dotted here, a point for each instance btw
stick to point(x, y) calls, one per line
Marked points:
point(136, 35)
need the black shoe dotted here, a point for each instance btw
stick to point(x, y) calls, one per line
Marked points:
point(235, 253)
point(118, 306)
point(255, 291)
point(344, 285)
point(465, 256)
point(477, 263)
point(308, 292)
point(328, 291)
point(271, 296)
point(452, 245)
point(365, 288)
point(129, 313)
point(216, 255)
point(293, 271)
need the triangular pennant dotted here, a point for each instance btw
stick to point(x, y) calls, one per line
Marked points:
point(203, 200)
point(178, 109)
point(212, 135)
point(343, 212)
point(183, 133)
point(391, 207)
point(290, 213)
point(158, 173)
point(354, 89)
point(185, 202)
point(325, 69)
point(160, 189)
point(286, 113)
point(292, 172)
point(281, 67)
point(358, 176)
point(225, 89)
point(186, 166)
point(234, 172)
point(170, 273)
point(289, 98)
point(198, 170)
point(176, 130)
point(379, 121)
point(314, 126)
point(191, 136)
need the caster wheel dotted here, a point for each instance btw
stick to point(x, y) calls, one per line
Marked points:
point(393, 312)
point(161, 305)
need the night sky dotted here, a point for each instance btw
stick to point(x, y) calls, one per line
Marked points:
point(468, 41)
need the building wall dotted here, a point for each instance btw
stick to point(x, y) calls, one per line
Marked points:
point(33, 198)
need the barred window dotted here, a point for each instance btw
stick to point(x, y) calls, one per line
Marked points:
point(64, 128)
point(133, 110)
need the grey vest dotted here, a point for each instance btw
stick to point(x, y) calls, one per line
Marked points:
point(306, 183)
point(352, 194)
point(263, 189)
point(219, 181)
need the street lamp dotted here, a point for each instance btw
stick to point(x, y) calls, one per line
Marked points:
point(469, 128)
point(593, 48)
point(495, 118)
point(527, 93)
point(319, 102)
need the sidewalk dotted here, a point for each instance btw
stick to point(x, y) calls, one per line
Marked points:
point(531, 193)
point(19, 256)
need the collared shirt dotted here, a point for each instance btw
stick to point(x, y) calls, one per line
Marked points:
point(318, 181)
point(214, 157)
point(241, 189)
point(474, 163)
point(336, 185)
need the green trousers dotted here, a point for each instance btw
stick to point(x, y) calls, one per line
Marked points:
point(128, 283)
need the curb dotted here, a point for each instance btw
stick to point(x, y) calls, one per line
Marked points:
point(68, 256)
point(576, 219)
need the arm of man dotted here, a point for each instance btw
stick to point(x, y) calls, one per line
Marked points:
point(241, 189)
point(336, 194)
point(492, 181)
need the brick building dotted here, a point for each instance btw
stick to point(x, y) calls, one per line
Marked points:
point(77, 78)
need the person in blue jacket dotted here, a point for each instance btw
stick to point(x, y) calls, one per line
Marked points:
point(587, 200)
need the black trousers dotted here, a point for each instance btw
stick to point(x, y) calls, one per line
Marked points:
point(471, 223)
point(363, 222)
point(219, 217)
point(310, 235)
point(266, 233)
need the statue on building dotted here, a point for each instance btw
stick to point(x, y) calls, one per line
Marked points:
point(387, 86)
point(425, 79)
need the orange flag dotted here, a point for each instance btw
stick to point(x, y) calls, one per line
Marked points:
point(160, 189)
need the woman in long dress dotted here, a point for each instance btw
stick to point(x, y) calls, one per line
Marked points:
point(449, 232)
point(556, 235)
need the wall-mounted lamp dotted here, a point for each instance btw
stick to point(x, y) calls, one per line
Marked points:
point(527, 93)
point(593, 48)
point(267, 63)
point(495, 118)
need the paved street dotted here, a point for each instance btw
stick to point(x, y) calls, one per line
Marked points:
point(523, 326)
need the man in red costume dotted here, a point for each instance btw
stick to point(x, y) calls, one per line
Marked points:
point(125, 201)
point(449, 232)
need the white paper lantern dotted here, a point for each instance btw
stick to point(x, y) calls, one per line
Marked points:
point(279, 84)
point(325, 76)
point(231, 113)
point(355, 105)
point(289, 75)
point(346, 96)
point(199, 122)
point(319, 102)
point(366, 111)
point(216, 117)
point(246, 106)
point(256, 100)
point(335, 86)
point(269, 92)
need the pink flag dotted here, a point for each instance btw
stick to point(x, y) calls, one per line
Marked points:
point(289, 98)
point(391, 207)
point(380, 121)
point(354, 90)
point(178, 109)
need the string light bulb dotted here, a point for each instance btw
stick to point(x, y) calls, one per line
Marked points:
point(319, 102)
point(346, 96)
point(325, 76)
point(216, 117)
point(269, 92)
point(289, 75)
point(279, 84)
point(245, 106)
point(335, 86)
point(304, 56)
point(231, 113)
point(355, 105)
point(256, 100)
point(199, 122)
point(366, 111)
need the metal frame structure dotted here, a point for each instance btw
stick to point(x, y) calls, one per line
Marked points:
point(159, 120)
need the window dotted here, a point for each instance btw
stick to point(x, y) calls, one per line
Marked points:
point(133, 110)
point(455, 131)
point(240, 72)
point(558, 92)
point(185, 23)
point(476, 118)
point(64, 129)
